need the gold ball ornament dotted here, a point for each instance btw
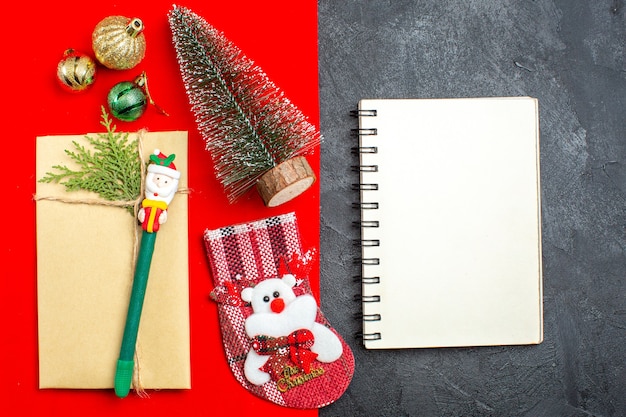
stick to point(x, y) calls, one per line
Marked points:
point(75, 71)
point(118, 42)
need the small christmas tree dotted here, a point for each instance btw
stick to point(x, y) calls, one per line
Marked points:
point(254, 133)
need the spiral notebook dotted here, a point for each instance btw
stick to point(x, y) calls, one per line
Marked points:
point(450, 222)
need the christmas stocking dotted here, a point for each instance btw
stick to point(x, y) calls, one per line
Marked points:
point(278, 343)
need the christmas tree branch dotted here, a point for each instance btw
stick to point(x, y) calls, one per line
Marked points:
point(109, 167)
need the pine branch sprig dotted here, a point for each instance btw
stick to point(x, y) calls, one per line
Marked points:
point(247, 123)
point(109, 168)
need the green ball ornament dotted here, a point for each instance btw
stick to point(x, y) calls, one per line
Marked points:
point(127, 100)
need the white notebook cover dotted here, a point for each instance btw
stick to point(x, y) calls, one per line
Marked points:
point(457, 247)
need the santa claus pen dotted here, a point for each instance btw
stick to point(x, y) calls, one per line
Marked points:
point(160, 186)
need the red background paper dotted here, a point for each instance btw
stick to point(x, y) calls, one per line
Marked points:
point(281, 37)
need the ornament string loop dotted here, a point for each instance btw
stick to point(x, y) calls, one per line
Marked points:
point(142, 82)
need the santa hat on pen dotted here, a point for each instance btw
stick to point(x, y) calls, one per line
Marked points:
point(163, 164)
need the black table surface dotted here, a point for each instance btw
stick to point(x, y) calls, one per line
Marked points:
point(570, 54)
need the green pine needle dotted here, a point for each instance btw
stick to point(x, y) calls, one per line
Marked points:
point(110, 169)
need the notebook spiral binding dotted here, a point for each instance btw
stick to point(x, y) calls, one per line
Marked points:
point(366, 205)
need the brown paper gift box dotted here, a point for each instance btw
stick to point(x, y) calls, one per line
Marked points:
point(84, 277)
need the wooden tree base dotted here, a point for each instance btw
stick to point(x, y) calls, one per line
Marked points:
point(285, 181)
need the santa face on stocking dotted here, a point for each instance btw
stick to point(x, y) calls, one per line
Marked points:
point(160, 187)
point(286, 337)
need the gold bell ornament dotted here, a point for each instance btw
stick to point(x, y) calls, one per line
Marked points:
point(118, 42)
